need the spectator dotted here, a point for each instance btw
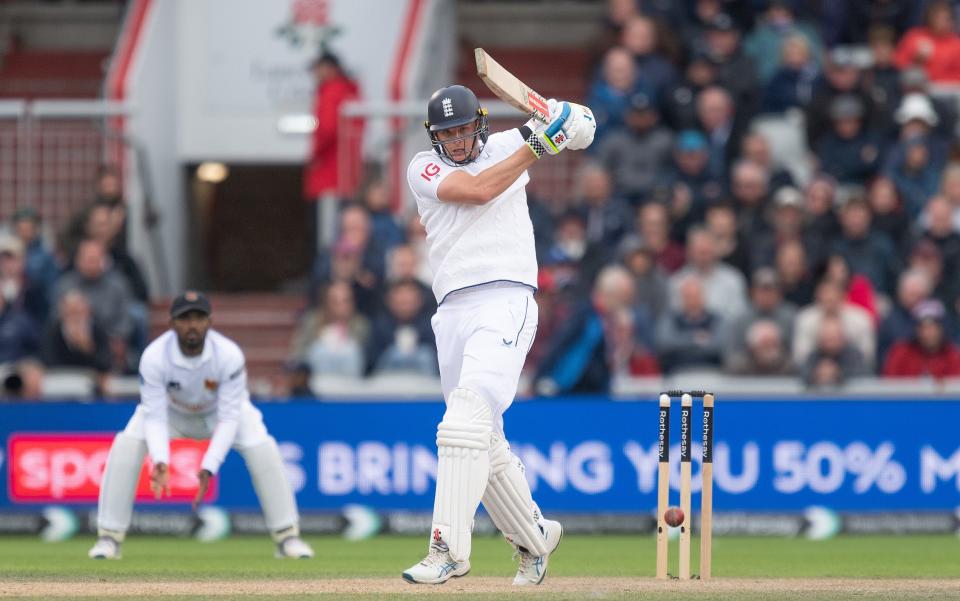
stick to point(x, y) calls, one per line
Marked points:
point(107, 292)
point(756, 148)
point(750, 188)
point(401, 338)
point(938, 228)
point(330, 339)
point(918, 119)
point(796, 281)
point(108, 191)
point(356, 256)
point(402, 265)
point(609, 95)
point(678, 102)
point(637, 155)
point(934, 45)
point(321, 176)
point(833, 360)
point(640, 39)
point(572, 253)
point(650, 280)
point(724, 288)
point(787, 219)
point(791, 85)
point(842, 77)
point(736, 71)
point(20, 373)
point(629, 357)
point(778, 25)
point(915, 175)
point(848, 152)
point(690, 335)
point(17, 289)
point(74, 339)
point(578, 359)
point(607, 217)
point(950, 188)
point(383, 225)
point(857, 288)
point(653, 228)
point(40, 267)
point(766, 354)
point(715, 112)
point(926, 256)
point(913, 287)
point(692, 186)
point(830, 304)
point(766, 304)
point(889, 217)
point(929, 353)
point(721, 222)
point(914, 80)
point(868, 253)
point(822, 222)
point(882, 79)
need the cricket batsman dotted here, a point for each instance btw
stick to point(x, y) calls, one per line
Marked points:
point(193, 384)
point(470, 192)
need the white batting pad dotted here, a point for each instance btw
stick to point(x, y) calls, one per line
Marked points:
point(580, 126)
point(269, 477)
point(119, 485)
point(463, 465)
point(509, 502)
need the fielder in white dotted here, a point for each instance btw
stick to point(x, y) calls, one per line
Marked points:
point(193, 384)
point(470, 192)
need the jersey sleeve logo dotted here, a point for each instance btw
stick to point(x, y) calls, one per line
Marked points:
point(431, 170)
point(211, 385)
point(237, 373)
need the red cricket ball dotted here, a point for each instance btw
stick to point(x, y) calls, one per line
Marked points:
point(673, 516)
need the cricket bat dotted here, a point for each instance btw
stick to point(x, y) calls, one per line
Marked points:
point(510, 89)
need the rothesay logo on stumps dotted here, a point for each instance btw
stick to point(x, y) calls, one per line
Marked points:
point(447, 105)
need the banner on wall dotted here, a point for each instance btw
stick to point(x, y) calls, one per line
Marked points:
point(582, 456)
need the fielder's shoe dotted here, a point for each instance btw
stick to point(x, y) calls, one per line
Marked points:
point(293, 547)
point(437, 567)
point(105, 548)
point(533, 569)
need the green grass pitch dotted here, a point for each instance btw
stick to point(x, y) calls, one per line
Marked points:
point(150, 564)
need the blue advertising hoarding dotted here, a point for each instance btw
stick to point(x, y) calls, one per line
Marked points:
point(581, 454)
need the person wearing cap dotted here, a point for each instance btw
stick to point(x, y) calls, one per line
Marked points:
point(692, 186)
point(323, 177)
point(777, 25)
point(193, 384)
point(934, 45)
point(735, 70)
point(637, 155)
point(39, 263)
point(914, 80)
point(842, 75)
point(849, 152)
point(930, 352)
point(918, 120)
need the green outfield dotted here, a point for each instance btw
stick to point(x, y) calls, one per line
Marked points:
point(596, 567)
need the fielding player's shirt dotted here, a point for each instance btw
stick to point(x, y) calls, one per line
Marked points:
point(471, 245)
point(215, 382)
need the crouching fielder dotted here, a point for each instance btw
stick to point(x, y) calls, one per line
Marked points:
point(193, 384)
point(470, 193)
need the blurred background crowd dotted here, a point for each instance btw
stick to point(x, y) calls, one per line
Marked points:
point(774, 190)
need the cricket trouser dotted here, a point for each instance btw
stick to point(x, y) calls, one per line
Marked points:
point(483, 335)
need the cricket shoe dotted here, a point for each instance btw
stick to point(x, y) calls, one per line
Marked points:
point(293, 547)
point(532, 568)
point(437, 567)
point(105, 548)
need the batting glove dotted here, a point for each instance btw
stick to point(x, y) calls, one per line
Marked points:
point(550, 138)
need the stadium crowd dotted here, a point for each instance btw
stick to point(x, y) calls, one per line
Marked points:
point(692, 242)
point(774, 190)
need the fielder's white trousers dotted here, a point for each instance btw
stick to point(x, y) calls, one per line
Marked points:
point(483, 336)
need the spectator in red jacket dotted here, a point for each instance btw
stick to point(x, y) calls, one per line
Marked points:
point(321, 179)
point(929, 352)
point(935, 45)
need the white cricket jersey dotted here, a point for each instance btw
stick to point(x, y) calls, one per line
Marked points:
point(470, 245)
point(213, 382)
